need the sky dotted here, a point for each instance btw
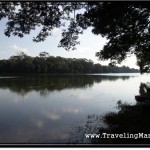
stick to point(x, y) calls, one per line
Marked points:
point(89, 45)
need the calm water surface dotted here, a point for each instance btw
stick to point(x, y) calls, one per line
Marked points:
point(61, 108)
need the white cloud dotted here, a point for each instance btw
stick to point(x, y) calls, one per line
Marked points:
point(84, 96)
point(71, 110)
point(130, 61)
point(19, 49)
point(53, 116)
point(55, 30)
point(83, 50)
point(39, 124)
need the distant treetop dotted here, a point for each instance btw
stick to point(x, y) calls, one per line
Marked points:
point(47, 64)
point(126, 25)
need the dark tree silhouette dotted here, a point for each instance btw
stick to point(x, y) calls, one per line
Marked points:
point(44, 63)
point(126, 25)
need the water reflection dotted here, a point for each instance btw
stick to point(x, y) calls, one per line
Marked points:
point(91, 126)
point(45, 84)
point(56, 108)
point(132, 121)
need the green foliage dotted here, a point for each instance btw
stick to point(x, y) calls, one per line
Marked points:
point(126, 25)
point(23, 63)
point(26, 16)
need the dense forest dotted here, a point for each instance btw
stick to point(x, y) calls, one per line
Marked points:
point(44, 63)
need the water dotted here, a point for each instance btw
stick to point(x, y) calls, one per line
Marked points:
point(61, 108)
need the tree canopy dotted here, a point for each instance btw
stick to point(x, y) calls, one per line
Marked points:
point(44, 63)
point(126, 25)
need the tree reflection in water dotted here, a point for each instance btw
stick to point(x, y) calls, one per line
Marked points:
point(47, 83)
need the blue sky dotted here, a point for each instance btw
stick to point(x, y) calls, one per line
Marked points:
point(89, 45)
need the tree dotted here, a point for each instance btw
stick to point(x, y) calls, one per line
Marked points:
point(23, 63)
point(44, 54)
point(126, 25)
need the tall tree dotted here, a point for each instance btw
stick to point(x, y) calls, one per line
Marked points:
point(126, 25)
point(23, 63)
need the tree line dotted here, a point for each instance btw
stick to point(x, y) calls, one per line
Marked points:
point(126, 25)
point(44, 63)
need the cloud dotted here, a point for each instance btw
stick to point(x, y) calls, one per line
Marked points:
point(130, 61)
point(55, 30)
point(84, 96)
point(71, 110)
point(19, 49)
point(53, 116)
point(83, 50)
point(39, 124)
